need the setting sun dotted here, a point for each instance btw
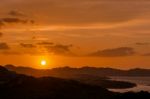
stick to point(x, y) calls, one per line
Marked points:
point(43, 62)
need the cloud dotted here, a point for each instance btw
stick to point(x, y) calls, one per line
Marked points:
point(144, 43)
point(47, 48)
point(45, 43)
point(27, 45)
point(56, 48)
point(4, 46)
point(147, 54)
point(84, 11)
point(116, 52)
point(13, 20)
point(59, 49)
point(9, 20)
point(16, 13)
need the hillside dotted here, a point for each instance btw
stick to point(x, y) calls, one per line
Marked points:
point(82, 75)
point(66, 72)
point(19, 86)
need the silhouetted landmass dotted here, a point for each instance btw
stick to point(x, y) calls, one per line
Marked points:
point(19, 86)
point(68, 71)
point(103, 82)
point(84, 75)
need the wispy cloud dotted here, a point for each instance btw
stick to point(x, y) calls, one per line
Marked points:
point(116, 52)
point(16, 13)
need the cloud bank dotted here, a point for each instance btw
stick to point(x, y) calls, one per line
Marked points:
point(116, 52)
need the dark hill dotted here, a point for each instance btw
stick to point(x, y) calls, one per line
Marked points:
point(17, 86)
point(88, 75)
point(67, 72)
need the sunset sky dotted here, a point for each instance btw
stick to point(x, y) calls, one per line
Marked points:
point(101, 33)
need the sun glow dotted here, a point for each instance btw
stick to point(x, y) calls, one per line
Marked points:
point(43, 62)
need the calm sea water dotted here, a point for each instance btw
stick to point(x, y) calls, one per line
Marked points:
point(143, 84)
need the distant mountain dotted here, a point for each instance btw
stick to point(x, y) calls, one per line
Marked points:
point(67, 72)
point(84, 75)
point(19, 86)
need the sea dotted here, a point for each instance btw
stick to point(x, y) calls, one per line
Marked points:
point(143, 83)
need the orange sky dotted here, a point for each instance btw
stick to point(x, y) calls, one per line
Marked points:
point(109, 33)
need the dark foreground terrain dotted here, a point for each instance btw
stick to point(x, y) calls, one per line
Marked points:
point(18, 86)
point(88, 75)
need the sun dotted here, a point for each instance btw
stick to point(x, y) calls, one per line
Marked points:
point(43, 62)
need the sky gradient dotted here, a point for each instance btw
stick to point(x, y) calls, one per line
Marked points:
point(101, 33)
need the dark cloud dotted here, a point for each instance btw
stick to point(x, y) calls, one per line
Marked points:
point(13, 20)
point(60, 49)
point(15, 17)
point(27, 45)
point(32, 21)
point(16, 13)
point(56, 48)
point(116, 52)
point(4, 46)
point(147, 54)
point(45, 43)
point(50, 47)
point(144, 43)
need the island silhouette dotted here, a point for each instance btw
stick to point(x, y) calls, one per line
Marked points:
point(20, 86)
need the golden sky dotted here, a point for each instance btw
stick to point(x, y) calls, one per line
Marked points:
point(102, 33)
